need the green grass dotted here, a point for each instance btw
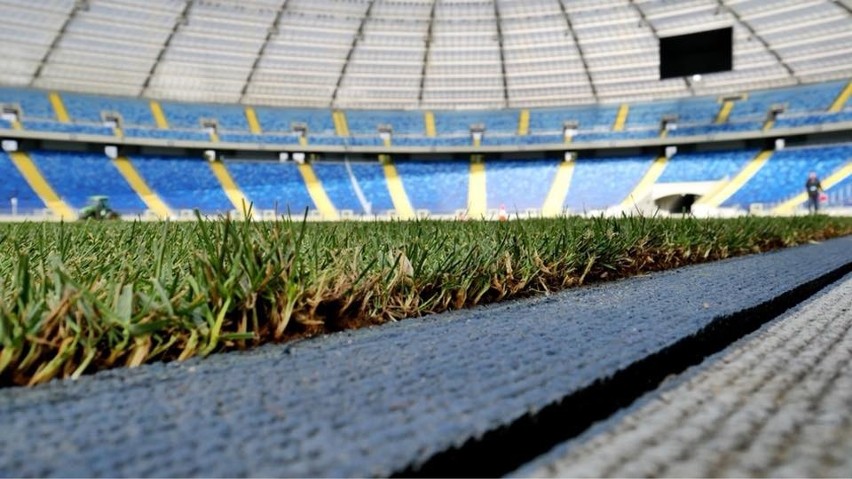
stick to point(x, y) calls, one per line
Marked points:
point(77, 298)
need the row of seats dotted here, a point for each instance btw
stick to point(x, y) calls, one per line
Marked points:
point(603, 182)
point(705, 166)
point(438, 186)
point(76, 176)
point(805, 105)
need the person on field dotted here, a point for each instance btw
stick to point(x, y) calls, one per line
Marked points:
point(814, 188)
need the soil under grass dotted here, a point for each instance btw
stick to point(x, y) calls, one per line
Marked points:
point(77, 298)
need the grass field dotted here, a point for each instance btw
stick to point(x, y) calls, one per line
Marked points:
point(77, 298)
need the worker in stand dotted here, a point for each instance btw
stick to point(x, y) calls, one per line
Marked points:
point(814, 189)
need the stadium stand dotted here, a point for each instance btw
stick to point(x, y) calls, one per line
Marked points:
point(812, 119)
point(14, 188)
point(742, 126)
point(305, 53)
point(459, 123)
point(271, 139)
point(800, 99)
point(333, 73)
point(32, 104)
point(393, 38)
point(650, 114)
point(71, 128)
point(94, 53)
point(551, 120)
point(805, 105)
point(170, 134)
point(441, 187)
point(706, 166)
point(28, 35)
point(272, 186)
point(599, 183)
point(840, 194)
point(183, 183)
point(437, 186)
point(371, 179)
point(784, 174)
point(92, 108)
point(505, 178)
point(444, 54)
point(340, 186)
point(317, 121)
point(229, 118)
point(75, 177)
point(367, 122)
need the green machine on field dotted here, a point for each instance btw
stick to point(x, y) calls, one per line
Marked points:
point(98, 209)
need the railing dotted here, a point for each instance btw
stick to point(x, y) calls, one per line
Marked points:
point(345, 145)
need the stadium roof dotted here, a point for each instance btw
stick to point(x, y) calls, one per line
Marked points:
point(410, 53)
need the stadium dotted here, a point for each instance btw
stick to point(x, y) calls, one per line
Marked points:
point(425, 238)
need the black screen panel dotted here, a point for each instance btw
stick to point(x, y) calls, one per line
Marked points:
point(696, 53)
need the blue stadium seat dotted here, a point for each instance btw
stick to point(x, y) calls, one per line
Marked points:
point(281, 120)
point(452, 141)
point(785, 173)
point(503, 140)
point(272, 185)
point(534, 139)
point(589, 136)
point(338, 185)
point(183, 183)
point(364, 141)
point(88, 108)
point(71, 128)
point(366, 122)
point(649, 115)
point(697, 110)
point(459, 122)
point(188, 116)
point(587, 117)
point(841, 193)
point(327, 140)
point(14, 185)
point(33, 103)
point(77, 176)
point(712, 129)
point(371, 180)
point(705, 166)
point(169, 134)
point(438, 186)
point(598, 183)
point(689, 110)
point(270, 139)
point(807, 119)
point(803, 98)
point(417, 141)
point(519, 184)
point(544, 138)
point(806, 105)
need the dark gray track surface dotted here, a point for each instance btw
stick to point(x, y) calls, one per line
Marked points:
point(374, 401)
point(776, 404)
